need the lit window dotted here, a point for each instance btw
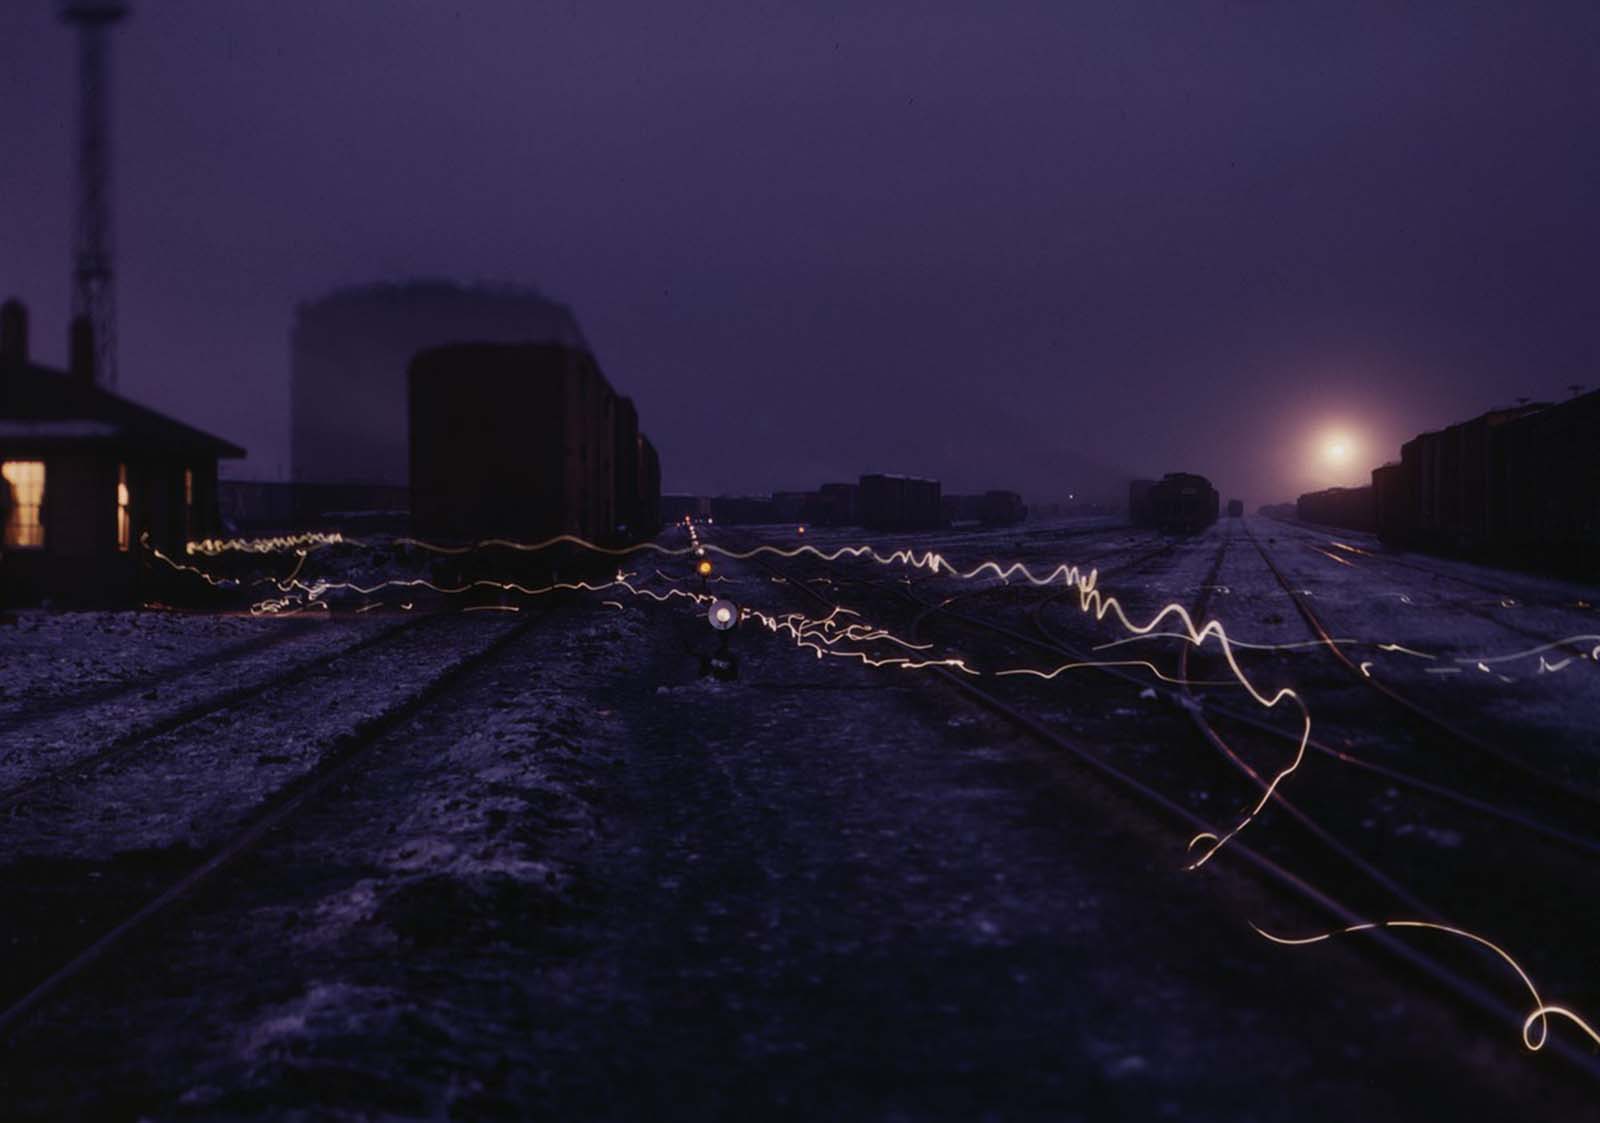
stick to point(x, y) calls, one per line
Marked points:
point(124, 522)
point(24, 513)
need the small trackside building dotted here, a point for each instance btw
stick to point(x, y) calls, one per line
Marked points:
point(88, 479)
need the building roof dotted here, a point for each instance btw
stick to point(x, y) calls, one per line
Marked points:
point(41, 405)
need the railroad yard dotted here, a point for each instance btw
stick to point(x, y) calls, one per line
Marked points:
point(948, 846)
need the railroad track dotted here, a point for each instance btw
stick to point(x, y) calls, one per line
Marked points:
point(1408, 562)
point(1050, 640)
point(334, 765)
point(1451, 981)
point(33, 713)
point(130, 741)
point(1504, 598)
point(1583, 796)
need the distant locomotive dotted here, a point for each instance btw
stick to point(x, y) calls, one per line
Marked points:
point(1235, 508)
point(1178, 503)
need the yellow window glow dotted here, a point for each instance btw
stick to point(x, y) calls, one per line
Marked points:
point(24, 479)
point(124, 522)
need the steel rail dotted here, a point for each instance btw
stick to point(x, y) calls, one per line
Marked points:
point(1448, 979)
point(275, 812)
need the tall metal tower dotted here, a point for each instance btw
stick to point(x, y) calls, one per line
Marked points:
point(93, 293)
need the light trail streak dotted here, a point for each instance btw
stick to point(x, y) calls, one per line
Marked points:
point(1297, 645)
point(842, 634)
point(1403, 650)
point(1092, 602)
point(1096, 664)
point(1569, 642)
point(1539, 1015)
point(212, 547)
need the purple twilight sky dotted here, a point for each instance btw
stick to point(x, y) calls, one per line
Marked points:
point(991, 242)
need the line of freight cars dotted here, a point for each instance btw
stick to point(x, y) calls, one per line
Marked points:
point(1350, 508)
point(1519, 486)
point(526, 442)
point(1178, 503)
point(878, 502)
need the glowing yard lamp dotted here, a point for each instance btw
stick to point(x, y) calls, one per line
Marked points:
point(724, 615)
point(703, 568)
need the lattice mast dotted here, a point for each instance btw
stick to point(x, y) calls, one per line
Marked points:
point(93, 279)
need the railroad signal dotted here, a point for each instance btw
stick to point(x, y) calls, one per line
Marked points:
point(724, 615)
point(722, 664)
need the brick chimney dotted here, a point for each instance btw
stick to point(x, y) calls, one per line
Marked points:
point(80, 349)
point(13, 334)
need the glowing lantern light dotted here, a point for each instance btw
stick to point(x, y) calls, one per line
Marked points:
point(724, 614)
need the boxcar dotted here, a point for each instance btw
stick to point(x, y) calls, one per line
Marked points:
point(1183, 503)
point(511, 441)
point(1140, 512)
point(648, 499)
point(836, 504)
point(625, 502)
point(889, 502)
point(1001, 508)
point(1349, 507)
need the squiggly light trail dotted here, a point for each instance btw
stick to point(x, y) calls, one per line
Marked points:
point(823, 636)
point(1541, 1011)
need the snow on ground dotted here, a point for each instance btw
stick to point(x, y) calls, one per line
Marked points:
point(1460, 648)
point(194, 784)
point(53, 656)
point(48, 727)
point(591, 880)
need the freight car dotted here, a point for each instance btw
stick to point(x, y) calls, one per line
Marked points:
point(955, 510)
point(793, 506)
point(887, 502)
point(625, 500)
point(649, 490)
point(1182, 503)
point(1139, 510)
point(519, 441)
point(1351, 508)
point(1520, 486)
point(1001, 508)
point(836, 505)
